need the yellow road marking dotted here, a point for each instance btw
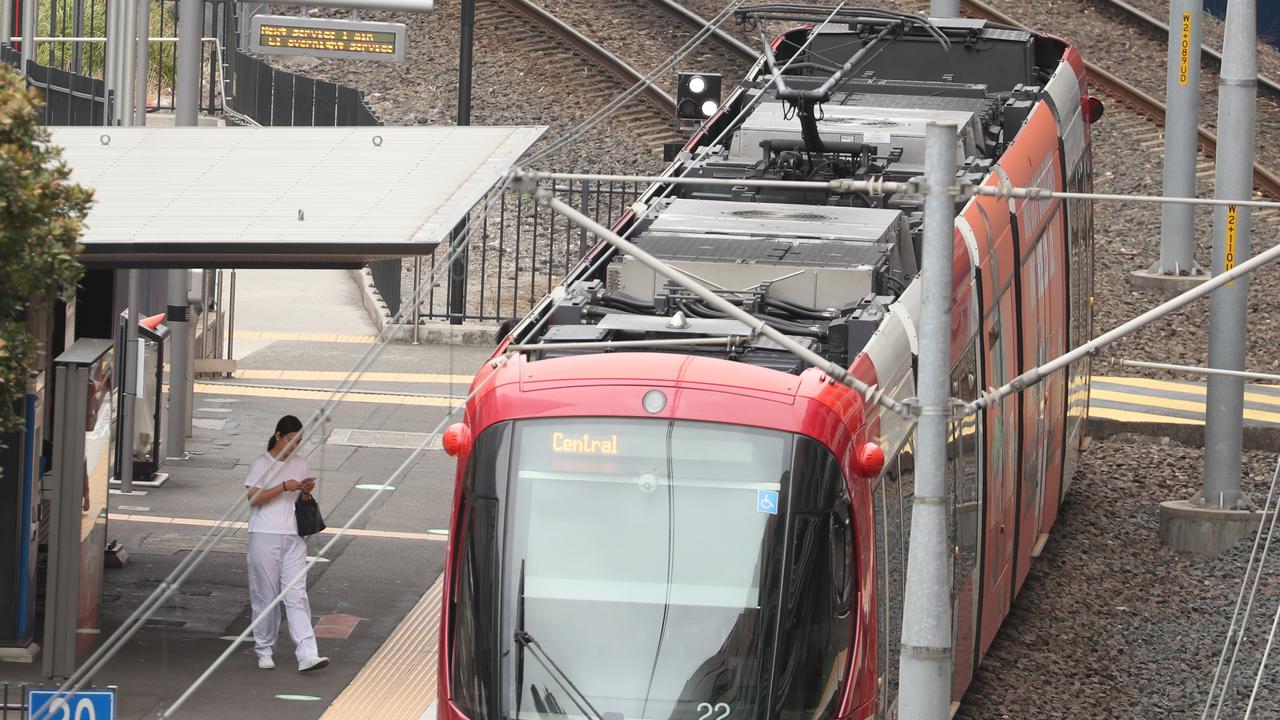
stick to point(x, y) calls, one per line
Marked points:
point(339, 375)
point(300, 394)
point(355, 532)
point(1192, 389)
point(1102, 413)
point(305, 337)
point(1158, 403)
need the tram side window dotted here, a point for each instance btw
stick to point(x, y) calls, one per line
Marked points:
point(819, 594)
point(476, 647)
point(963, 511)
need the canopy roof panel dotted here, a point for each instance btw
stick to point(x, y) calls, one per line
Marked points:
point(280, 197)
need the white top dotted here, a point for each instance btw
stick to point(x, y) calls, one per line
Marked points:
point(276, 515)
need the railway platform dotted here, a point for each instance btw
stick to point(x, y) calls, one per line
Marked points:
point(1175, 409)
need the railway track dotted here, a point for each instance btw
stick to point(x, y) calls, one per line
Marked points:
point(1264, 180)
point(582, 59)
point(1160, 30)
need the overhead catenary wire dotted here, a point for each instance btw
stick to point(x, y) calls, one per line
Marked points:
point(1270, 507)
point(1246, 374)
point(225, 523)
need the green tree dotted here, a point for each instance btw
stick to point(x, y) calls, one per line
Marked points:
point(41, 216)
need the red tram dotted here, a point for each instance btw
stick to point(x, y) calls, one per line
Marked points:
point(710, 531)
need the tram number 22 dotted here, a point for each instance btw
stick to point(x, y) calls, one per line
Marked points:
point(719, 711)
point(58, 709)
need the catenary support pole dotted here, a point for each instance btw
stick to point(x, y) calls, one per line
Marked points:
point(458, 269)
point(128, 50)
point(6, 21)
point(29, 15)
point(944, 8)
point(177, 317)
point(1182, 88)
point(141, 62)
point(129, 372)
point(924, 689)
point(187, 83)
point(1224, 406)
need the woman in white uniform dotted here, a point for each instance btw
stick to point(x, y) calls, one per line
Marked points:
point(277, 555)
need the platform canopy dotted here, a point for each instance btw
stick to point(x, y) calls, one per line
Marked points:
point(280, 197)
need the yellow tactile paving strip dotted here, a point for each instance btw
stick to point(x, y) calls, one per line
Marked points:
point(399, 681)
point(339, 375)
point(305, 337)
point(1144, 400)
point(321, 395)
point(354, 532)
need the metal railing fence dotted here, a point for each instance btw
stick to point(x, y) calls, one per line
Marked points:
point(70, 38)
point(518, 251)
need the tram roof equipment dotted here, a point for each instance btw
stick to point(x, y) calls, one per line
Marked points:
point(280, 197)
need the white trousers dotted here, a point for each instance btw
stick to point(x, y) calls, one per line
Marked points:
point(273, 561)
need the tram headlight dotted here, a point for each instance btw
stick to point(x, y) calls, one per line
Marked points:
point(654, 401)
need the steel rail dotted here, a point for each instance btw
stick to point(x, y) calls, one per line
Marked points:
point(1162, 29)
point(741, 49)
point(597, 54)
point(1263, 179)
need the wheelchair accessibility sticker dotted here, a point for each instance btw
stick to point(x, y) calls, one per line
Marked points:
point(767, 501)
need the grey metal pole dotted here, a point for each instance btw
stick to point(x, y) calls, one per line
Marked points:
point(924, 689)
point(465, 34)
point(944, 8)
point(231, 318)
point(186, 99)
point(6, 21)
point(417, 299)
point(128, 413)
point(111, 60)
point(1224, 406)
point(458, 268)
point(177, 317)
point(141, 62)
point(1182, 87)
point(128, 48)
point(28, 33)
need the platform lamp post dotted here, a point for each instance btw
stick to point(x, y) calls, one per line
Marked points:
point(924, 689)
point(458, 268)
point(6, 22)
point(1237, 101)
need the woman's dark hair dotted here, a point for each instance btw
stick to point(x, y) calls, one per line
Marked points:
point(288, 424)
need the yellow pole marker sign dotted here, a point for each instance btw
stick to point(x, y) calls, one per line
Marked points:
point(1229, 259)
point(1184, 53)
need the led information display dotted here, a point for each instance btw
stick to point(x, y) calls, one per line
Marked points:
point(322, 37)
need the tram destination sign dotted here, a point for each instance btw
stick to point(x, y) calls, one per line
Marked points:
point(323, 37)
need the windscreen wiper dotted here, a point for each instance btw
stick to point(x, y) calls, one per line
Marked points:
point(526, 641)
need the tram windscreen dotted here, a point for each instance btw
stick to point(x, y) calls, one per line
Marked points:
point(636, 569)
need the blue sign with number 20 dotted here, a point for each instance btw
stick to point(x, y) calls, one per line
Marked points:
point(81, 705)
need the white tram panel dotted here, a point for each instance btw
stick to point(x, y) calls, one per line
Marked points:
point(884, 128)
point(814, 256)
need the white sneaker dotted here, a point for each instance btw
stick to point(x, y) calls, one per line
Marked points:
point(312, 663)
point(266, 663)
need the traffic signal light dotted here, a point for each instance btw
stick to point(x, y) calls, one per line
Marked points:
point(697, 95)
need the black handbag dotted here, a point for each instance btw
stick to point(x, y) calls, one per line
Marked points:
point(307, 511)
